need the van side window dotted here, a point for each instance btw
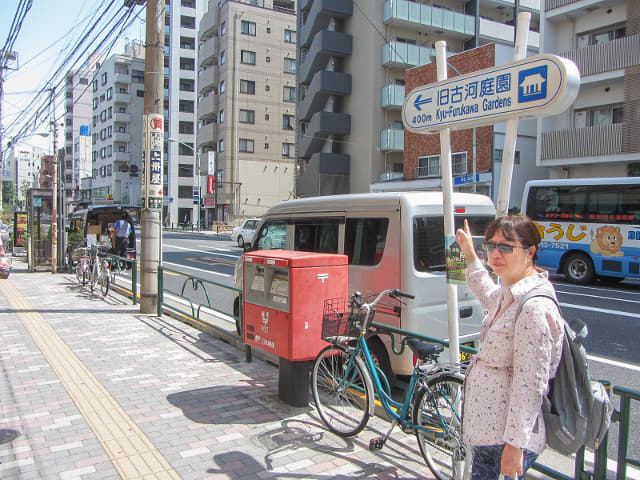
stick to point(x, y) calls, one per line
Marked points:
point(428, 239)
point(316, 236)
point(364, 240)
point(272, 235)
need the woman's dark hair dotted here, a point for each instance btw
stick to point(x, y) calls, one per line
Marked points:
point(516, 228)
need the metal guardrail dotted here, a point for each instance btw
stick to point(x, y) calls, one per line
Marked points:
point(125, 280)
point(626, 395)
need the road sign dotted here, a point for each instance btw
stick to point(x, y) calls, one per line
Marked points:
point(535, 86)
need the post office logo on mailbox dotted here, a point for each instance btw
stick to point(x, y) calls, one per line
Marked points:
point(265, 321)
point(323, 276)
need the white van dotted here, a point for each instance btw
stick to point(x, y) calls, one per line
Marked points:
point(393, 240)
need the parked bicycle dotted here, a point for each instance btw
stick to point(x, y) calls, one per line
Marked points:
point(100, 269)
point(346, 385)
point(83, 266)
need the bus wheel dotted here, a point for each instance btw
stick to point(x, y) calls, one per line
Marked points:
point(578, 268)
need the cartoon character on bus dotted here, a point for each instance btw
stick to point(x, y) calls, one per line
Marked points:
point(608, 242)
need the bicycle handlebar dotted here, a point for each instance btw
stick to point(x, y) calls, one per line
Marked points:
point(392, 292)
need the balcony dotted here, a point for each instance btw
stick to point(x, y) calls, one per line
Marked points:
point(405, 55)
point(322, 125)
point(324, 84)
point(503, 33)
point(208, 107)
point(391, 176)
point(121, 137)
point(598, 141)
point(606, 57)
point(561, 9)
point(121, 157)
point(207, 79)
point(320, 14)
point(325, 45)
point(121, 97)
point(392, 97)
point(209, 23)
point(392, 140)
point(121, 117)
point(411, 15)
point(121, 78)
point(207, 135)
point(208, 53)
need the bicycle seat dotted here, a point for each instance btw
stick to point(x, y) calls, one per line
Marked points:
point(423, 350)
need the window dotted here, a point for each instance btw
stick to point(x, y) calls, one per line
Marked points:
point(185, 170)
point(223, 29)
point(428, 239)
point(94, 85)
point(139, 93)
point(247, 116)
point(497, 156)
point(316, 236)
point(109, 151)
point(137, 76)
point(187, 64)
point(290, 36)
point(221, 116)
point(110, 131)
point(223, 58)
point(187, 85)
point(186, 106)
point(246, 145)
point(221, 145)
point(248, 86)
point(598, 116)
point(83, 81)
point(187, 22)
point(287, 150)
point(184, 150)
point(109, 93)
point(104, 78)
point(122, 148)
point(364, 240)
point(272, 235)
point(429, 166)
point(95, 103)
point(248, 28)
point(602, 35)
point(187, 43)
point(266, 116)
point(289, 65)
point(222, 87)
point(289, 94)
point(287, 122)
point(248, 57)
point(267, 88)
point(185, 127)
point(185, 191)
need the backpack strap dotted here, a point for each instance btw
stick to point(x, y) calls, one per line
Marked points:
point(536, 292)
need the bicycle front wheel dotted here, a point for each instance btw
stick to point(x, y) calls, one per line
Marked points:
point(94, 275)
point(438, 410)
point(78, 270)
point(105, 282)
point(341, 390)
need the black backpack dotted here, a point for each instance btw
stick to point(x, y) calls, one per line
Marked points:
point(577, 410)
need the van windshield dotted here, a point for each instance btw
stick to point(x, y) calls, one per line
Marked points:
point(428, 239)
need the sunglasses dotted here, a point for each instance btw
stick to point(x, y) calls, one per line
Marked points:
point(504, 248)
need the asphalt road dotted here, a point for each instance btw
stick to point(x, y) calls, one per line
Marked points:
point(611, 311)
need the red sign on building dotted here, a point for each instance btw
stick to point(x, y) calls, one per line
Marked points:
point(211, 184)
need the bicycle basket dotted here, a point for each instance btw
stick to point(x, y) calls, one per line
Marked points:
point(341, 320)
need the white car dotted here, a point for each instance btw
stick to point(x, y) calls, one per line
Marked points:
point(244, 233)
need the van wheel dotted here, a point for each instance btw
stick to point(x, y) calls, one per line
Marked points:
point(240, 241)
point(380, 356)
point(578, 268)
point(236, 313)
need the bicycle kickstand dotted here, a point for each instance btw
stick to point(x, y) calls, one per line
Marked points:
point(376, 443)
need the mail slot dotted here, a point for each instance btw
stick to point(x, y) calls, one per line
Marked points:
point(283, 295)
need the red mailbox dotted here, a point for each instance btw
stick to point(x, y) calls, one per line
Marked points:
point(283, 296)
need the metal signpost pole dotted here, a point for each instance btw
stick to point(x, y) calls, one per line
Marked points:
point(150, 246)
point(447, 194)
point(511, 130)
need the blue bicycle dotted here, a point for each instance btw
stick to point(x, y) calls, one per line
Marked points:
point(347, 385)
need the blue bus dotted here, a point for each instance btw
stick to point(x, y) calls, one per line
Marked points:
point(590, 227)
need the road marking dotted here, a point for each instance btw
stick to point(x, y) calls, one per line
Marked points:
point(601, 310)
point(197, 269)
point(134, 456)
point(615, 363)
point(597, 296)
point(201, 251)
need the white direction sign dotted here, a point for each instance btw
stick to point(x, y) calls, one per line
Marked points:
point(535, 86)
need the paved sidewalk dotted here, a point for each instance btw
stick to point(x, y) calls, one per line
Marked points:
point(92, 389)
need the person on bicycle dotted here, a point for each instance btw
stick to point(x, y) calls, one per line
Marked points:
point(508, 377)
point(122, 229)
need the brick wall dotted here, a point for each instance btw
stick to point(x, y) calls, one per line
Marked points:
point(416, 145)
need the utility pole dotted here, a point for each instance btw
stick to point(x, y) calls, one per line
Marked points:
point(150, 246)
point(54, 187)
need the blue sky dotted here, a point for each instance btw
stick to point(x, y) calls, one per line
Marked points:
point(49, 30)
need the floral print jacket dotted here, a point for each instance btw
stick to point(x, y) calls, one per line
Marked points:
point(509, 376)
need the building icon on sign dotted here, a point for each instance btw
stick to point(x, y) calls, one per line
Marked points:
point(532, 84)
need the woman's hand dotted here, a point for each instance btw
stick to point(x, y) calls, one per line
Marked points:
point(464, 238)
point(511, 461)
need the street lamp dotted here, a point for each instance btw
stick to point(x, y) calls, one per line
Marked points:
point(196, 172)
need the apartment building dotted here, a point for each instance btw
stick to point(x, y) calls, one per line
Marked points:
point(247, 106)
point(116, 128)
point(77, 122)
point(181, 176)
point(598, 136)
point(351, 85)
point(21, 168)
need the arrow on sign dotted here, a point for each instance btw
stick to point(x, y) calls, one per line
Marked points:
point(419, 101)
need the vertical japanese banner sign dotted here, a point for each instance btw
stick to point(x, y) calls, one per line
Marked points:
point(152, 161)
